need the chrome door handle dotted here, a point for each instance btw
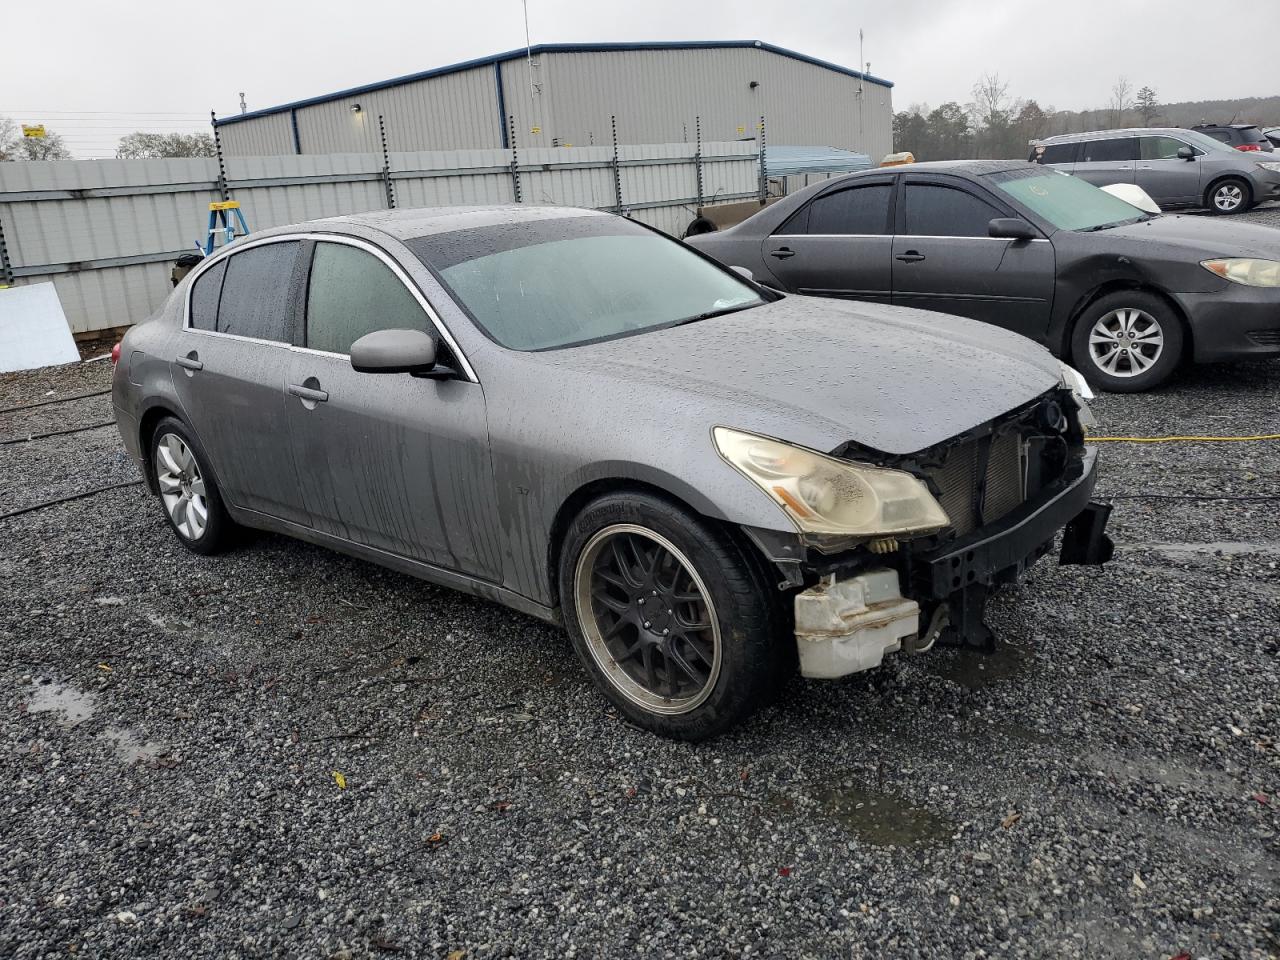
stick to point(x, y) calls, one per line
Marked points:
point(910, 256)
point(191, 362)
point(782, 253)
point(308, 393)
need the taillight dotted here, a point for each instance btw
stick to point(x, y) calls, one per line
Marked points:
point(115, 354)
point(1248, 146)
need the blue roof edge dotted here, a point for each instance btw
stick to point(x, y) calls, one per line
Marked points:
point(552, 48)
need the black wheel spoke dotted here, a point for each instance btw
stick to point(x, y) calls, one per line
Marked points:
point(623, 565)
point(613, 603)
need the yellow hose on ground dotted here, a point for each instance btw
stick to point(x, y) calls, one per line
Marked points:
point(1264, 436)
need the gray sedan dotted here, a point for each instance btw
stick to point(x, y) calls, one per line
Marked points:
point(707, 482)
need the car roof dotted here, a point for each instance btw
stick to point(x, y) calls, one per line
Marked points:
point(425, 221)
point(1106, 134)
point(974, 168)
point(1226, 126)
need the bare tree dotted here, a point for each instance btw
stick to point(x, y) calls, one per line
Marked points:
point(991, 98)
point(141, 146)
point(1121, 101)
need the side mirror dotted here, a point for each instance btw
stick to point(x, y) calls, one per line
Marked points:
point(1011, 228)
point(744, 272)
point(394, 351)
point(1186, 153)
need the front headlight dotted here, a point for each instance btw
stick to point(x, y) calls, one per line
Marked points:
point(1271, 165)
point(1245, 270)
point(824, 495)
point(1074, 381)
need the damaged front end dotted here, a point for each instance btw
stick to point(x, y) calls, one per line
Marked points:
point(1006, 489)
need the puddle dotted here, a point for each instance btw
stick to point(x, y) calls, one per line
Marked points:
point(130, 748)
point(877, 817)
point(974, 669)
point(72, 706)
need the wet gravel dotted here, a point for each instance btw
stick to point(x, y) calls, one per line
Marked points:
point(285, 752)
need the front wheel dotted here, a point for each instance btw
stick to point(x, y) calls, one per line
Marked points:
point(670, 615)
point(1229, 196)
point(1127, 342)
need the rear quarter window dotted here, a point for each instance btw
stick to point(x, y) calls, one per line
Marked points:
point(205, 294)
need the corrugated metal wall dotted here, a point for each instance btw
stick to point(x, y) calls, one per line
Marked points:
point(106, 232)
point(655, 94)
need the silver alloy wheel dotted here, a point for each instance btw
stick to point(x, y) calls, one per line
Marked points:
point(1228, 197)
point(181, 486)
point(1126, 342)
point(648, 619)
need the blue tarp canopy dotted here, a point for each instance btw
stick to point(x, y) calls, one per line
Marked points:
point(785, 161)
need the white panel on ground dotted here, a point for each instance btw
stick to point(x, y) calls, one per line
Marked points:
point(33, 329)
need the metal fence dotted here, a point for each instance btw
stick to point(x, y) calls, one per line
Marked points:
point(106, 232)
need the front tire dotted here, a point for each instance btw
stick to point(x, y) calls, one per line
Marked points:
point(1127, 342)
point(670, 615)
point(192, 503)
point(1229, 196)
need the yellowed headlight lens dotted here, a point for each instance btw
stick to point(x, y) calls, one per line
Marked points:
point(822, 494)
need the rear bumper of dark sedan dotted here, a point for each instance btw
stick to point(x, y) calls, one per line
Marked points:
point(1237, 323)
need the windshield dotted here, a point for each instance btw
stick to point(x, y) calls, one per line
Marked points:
point(563, 282)
point(1067, 202)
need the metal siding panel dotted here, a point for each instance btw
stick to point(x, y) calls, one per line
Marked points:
point(266, 136)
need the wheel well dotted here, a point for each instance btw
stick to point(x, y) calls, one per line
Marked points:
point(574, 503)
point(1115, 286)
point(1208, 191)
point(147, 429)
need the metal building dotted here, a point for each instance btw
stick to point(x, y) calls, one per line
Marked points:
point(562, 94)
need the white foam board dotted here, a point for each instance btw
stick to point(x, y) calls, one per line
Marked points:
point(33, 329)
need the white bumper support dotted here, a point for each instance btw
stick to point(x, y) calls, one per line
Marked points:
point(848, 626)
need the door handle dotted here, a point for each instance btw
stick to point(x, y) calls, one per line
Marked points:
point(308, 393)
point(190, 362)
point(782, 253)
point(911, 256)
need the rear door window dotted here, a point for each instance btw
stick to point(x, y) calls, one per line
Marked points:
point(1109, 151)
point(255, 292)
point(933, 210)
point(856, 211)
point(205, 294)
point(351, 292)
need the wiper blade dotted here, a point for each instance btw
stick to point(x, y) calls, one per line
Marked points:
point(715, 313)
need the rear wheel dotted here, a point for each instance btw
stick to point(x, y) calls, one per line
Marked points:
point(192, 503)
point(1229, 196)
point(670, 615)
point(1127, 342)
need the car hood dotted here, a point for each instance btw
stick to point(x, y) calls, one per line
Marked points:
point(1203, 237)
point(820, 372)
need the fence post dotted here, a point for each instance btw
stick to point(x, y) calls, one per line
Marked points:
point(386, 165)
point(617, 173)
point(697, 159)
point(764, 169)
point(223, 190)
point(6, 268)
point(515, 159)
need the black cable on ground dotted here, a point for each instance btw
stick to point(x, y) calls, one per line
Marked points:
point(57, 433)
point(74, 496)
point(1188, 496)
point(45, 403)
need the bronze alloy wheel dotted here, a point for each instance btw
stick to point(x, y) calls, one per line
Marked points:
point(648, 619)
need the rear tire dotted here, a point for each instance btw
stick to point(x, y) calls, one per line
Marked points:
point(671, 616)
point(1228, 196)
point(1127, 341)
point(192, 503)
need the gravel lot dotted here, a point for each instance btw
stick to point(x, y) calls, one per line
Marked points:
point(285, 752)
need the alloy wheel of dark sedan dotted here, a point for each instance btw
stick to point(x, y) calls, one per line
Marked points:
point(648, 619)
point(1126, 342)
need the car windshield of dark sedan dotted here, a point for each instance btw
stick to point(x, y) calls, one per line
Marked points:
point(562, 282)
point(1067, 202)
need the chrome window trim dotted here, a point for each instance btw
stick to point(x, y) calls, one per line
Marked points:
point(877, 236)
point(364, 245)
point(932, 236)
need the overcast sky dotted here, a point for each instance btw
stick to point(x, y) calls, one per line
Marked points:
point(96, 70)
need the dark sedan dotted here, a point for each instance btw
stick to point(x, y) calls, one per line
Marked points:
point(1126, 295)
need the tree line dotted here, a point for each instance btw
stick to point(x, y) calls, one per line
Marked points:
point(996, 125)
point(139, 145)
